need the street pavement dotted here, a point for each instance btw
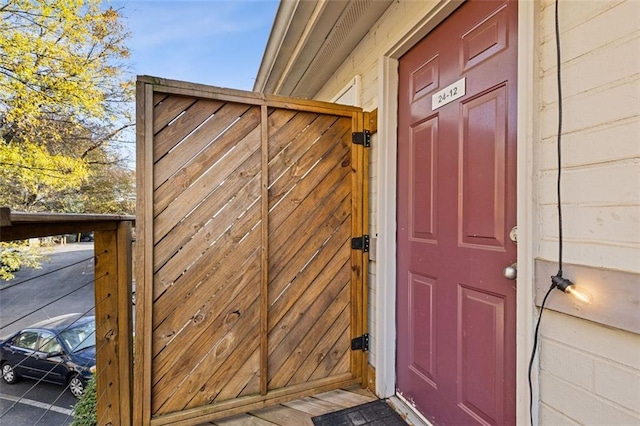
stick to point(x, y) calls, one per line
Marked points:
point(44, 404)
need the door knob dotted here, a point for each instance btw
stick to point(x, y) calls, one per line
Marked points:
point(511, 271)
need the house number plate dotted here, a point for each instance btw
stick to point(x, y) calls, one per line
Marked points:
point(448, 94)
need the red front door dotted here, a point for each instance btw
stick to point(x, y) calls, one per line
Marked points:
point(456, 207)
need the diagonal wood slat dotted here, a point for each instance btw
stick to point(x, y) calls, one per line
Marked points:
point(250, 291)
point(182, 124)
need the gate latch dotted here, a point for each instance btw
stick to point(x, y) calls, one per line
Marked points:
point(360, 343)
point(360, 243)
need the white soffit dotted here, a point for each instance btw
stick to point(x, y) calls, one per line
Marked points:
point(310, 39)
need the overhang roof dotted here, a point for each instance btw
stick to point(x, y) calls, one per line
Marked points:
point(310, 39)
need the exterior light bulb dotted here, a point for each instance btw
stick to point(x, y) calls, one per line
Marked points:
point(580, 294)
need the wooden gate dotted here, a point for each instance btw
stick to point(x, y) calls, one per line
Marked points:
point(248, 290)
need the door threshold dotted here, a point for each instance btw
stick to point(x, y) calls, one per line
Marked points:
point(407, 411)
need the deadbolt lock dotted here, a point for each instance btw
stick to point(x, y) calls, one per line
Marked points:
point(513, 235)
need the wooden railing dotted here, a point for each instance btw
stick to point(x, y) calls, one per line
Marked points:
point(114, 331)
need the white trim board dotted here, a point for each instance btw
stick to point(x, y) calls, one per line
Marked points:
point(387, 195)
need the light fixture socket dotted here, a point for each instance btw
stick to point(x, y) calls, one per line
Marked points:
point(561, 283)
point(581, 295)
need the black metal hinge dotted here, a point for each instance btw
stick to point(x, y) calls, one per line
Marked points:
point(360, 343)
point(360, 243)
point(362, 138)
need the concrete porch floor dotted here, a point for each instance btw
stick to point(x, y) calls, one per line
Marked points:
point(300, 411)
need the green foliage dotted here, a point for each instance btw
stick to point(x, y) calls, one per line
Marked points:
point(15, 255)
point(85, 411)
point(64, 100)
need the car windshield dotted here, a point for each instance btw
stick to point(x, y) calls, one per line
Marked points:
point(80, 337)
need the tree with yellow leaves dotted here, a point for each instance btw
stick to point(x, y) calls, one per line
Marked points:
point(62, 75)
point(65, 97)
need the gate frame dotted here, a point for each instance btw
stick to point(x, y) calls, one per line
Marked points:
point(146, 86)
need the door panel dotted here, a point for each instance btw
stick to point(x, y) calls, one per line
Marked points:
point(456, 206)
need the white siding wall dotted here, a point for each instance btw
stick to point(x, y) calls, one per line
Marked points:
point(590, 374)
point(600, 48)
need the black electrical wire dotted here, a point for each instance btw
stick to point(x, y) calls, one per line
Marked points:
point(68, 384)
point(533, 351)
point(559, 205)
point(559, 140)
point(47, 273)
point(51, 302)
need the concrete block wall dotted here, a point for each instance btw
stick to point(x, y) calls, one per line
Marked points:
point(589, 373)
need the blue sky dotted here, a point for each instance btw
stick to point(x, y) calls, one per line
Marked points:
point(216, 42)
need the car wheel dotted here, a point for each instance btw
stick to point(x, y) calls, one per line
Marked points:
point(76, 385)
point(8, 374)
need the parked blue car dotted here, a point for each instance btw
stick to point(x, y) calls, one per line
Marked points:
point(58, 350)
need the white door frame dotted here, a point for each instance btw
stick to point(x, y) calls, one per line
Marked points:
point(386, 206)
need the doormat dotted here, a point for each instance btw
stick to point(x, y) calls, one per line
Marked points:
point(376, 413)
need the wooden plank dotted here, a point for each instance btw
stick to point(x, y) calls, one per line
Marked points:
point(125, 322)
point(32, 230)
point(76, 218)
point(168, 109)
point(254, 98)
point(243, 420)
point(343, 398)
point(293, 327)
point(283, 415)
point(203, 137)
point(325, 217)
point(313, 406)
point(372, 121)
point(364, 287)
point(207, 309)
point(326, 178)
point(181, 290)
point(144, 256)
point(239, 352)
point(5, 216)
point(183, 125)
point(327, 349)
point(240, 190)
point(191, 197)
point(360, 391)
point(208, 360)
point(357, 155)
point(242, 405)
point(287, 145)
point(264, 285)
point(329, 356)
point(243, 381)
point(305, 333)
point(192, 171)
point(287, 169)
point(323, 244)
point(289, 132)
point(282, 305)
point(371, 378)
point(106, 313)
